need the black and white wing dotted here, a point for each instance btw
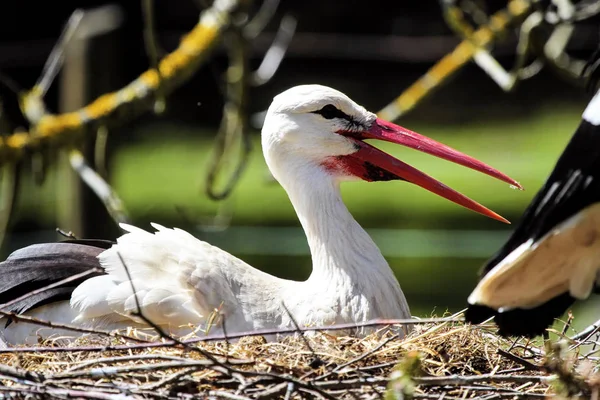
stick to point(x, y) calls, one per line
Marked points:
point(553, 256)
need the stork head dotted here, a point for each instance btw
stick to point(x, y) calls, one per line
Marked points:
point(319, 127)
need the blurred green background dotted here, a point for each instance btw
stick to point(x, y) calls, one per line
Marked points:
point(158, 164)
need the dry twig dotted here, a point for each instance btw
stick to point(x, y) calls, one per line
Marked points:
point(456, 360)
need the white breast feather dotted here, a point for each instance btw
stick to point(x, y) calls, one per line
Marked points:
point(177, 279)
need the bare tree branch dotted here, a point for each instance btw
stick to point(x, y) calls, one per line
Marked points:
point(275, 54)
point(111, 200)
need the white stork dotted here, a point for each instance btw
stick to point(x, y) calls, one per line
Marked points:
point(312, 140)
point(553, 256)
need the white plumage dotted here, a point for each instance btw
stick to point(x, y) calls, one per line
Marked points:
point(565, 260)
point(311, 142)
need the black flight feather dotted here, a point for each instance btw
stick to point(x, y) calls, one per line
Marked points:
point(573, 185)
point(39, 265)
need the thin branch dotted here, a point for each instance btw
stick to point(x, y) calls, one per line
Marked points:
point(466, 380)
point(276, 52)
point(452, 380)
point(10, 84)
point(111, 200)
point(261, 19)
point(273, 391)
point(151, 43)
point(218, 337)
point(169, 379)
point(100, 147)
point(60, 393)
point(136, 357)
point(39, 167)
point(233, 126)
point(567, 324)
point(587, 333)
point(112, 371)
point(56, 325)
point(586, 9)
point(224, 330)
point(316, 361)
point(68, 235)
point(8, 192)
point(56, 57)
point(519, 360)
point(289, 391)
point(351, 383)
point(19, 374)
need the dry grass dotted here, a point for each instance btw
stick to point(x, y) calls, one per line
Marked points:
point(449, 359)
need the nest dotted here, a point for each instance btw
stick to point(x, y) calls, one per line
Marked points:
point(449, 360)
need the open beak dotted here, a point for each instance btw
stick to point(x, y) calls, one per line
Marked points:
point(372, 164)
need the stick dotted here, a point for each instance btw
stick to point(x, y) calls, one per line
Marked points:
point(56, 325)
point(218, 337)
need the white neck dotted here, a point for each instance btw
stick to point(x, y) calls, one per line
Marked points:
point(345, 258)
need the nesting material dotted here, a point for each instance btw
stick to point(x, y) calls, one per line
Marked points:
point(448, 359)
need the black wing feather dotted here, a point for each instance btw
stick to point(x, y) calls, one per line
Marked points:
point(573, 185)
point(39, 265)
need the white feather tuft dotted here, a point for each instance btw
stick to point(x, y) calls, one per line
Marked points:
point(592, 111)
point(89, 298)
point(159, 265)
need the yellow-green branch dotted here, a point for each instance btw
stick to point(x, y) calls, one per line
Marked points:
point(460, 56)
point(173, 70)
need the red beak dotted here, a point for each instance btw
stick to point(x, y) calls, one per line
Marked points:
point(372, 164)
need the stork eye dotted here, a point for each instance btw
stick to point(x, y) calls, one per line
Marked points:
point(330, 112)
